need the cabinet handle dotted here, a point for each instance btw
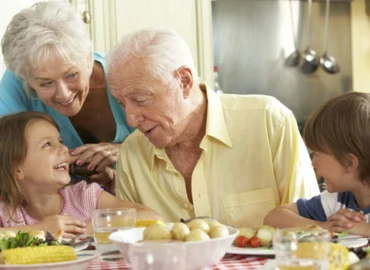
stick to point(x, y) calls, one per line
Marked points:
point(86, 16)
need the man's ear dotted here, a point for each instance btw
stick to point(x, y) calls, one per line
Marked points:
point(351, 162)
point(186, 78)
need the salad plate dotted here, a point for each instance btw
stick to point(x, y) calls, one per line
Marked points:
point(83, 260)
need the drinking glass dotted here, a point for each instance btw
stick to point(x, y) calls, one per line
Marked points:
point(157, 256)
point(302, 248)
point(107, 221)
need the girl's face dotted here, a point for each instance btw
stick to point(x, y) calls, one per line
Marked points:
point(62, 86)
point(338, 178)
point(46, 163)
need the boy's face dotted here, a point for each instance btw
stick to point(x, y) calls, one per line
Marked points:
point(337, 177)
point(47, 159)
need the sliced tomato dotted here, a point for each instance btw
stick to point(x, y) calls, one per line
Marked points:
point(254, 242)
point(241, 241)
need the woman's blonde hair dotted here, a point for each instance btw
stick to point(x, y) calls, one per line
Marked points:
point(13, 145)
point(47, 30)
point(341, 126)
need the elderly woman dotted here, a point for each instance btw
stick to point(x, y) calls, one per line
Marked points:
point(52, 68)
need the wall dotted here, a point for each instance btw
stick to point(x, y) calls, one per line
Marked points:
point(253, 38)
point(8, 9)
point(360, 46)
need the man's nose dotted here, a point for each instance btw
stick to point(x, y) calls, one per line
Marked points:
point(133, 120)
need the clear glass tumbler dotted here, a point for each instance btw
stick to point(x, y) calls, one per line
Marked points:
point(107, 221)
point(302, 248)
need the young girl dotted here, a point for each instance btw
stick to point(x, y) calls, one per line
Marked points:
point(34, 190)
point(339, 134)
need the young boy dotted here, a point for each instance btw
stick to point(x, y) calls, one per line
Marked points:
point(339, 134)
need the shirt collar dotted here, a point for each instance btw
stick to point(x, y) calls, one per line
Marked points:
point(216, 124)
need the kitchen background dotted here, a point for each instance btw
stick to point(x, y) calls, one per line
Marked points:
point(248, 40)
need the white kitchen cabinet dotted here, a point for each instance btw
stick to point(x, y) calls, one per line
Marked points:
point(190, 18)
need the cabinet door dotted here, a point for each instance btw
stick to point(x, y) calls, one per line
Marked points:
point(190, 18)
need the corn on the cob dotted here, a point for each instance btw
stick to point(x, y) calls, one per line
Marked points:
point(147, 222)
point(37, 254)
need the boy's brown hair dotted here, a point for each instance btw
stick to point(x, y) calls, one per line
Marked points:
point(13, 145)
point(341, 126)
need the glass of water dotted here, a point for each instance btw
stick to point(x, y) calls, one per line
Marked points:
point(302, 248)
point(107, 221)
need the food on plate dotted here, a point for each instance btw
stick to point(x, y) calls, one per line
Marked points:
point(147, 222)
point(180, 231)
point(218, 231)
point(10, 239)
point(194, 230)
point(198, 224)
point(37, 254)
point(247, 232)
point(241, 241)
point(262, 237)
point(338, 257)
point(213, 223)
point(255, 242)
point(157, 232)
point(197, 235)
point(265, 235)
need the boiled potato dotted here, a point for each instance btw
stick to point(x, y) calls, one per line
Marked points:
point(180, 231)
point(198, 224)
point(218, 231)
point(157, 232)
point(197, 235)
point(247, 232)
point(265, 235)
point(212, 223)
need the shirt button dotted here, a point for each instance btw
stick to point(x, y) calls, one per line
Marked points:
point(188, 206)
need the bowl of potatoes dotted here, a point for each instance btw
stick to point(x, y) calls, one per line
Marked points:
point(205, 241)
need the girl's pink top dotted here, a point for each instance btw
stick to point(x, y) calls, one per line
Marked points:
point(79, 201)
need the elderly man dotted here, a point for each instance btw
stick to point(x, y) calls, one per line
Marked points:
point(195, 153)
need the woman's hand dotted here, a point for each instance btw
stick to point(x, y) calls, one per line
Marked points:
point(97, 156)
point(69, 225)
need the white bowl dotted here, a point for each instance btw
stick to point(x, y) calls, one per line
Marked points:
point(198, 254)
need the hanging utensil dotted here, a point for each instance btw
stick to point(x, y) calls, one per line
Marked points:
point(310, 59)
point(295, 57)
point(328, 62)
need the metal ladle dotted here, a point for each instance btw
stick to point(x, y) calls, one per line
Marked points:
point(310, 59)
point(328, 62)
point(295, 57)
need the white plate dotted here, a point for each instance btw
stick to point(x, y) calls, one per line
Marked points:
point(349, 241)
point(352, 241)
point(251, 251)
point(83, 260)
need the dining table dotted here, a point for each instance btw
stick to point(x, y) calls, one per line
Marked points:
point(228, 262)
